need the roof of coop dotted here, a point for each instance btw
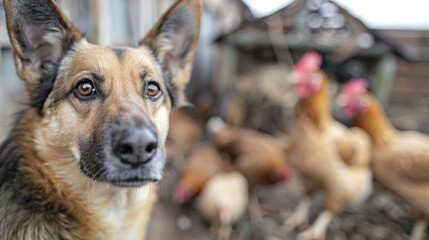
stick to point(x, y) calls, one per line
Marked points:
point(322, 25)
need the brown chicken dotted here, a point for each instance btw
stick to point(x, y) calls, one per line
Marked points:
point(326, 155)
point(202, 164)
point(223, 201)
point(259, 157)
point(400, 159)
point(183, 133)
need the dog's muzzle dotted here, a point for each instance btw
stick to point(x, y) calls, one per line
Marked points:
point(129, 153)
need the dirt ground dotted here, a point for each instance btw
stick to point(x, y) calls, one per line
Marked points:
point(381, 217)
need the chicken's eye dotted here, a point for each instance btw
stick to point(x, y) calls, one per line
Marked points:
point(153, 91)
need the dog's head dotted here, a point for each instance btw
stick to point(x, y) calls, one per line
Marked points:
point(107, 107)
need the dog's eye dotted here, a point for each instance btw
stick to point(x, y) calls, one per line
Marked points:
point(153, 91)
point(85, 88)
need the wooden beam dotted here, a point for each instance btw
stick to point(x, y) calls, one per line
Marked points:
point(228, 66)
point(145, 12)
point(163, 5)
point(100, 24)
point(384, 74)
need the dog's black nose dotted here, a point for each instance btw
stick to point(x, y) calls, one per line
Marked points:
point(137, 147)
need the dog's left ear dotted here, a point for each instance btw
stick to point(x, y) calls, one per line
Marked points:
point(173, 41)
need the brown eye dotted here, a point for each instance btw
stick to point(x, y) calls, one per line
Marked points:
point(153, 91)
point(85, 88)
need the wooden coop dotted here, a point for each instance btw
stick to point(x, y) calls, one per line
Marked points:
point(409, 97)
point(350, 48)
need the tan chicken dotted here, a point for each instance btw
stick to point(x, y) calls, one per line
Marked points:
point(223, 201)
point(259, 157)
point(202, 164)
point(400, 159)
point(326, 155)
point(183, 133)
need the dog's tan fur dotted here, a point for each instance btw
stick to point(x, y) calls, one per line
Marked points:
point(44, 194)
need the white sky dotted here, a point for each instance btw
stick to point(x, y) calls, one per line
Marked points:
point(398, 14)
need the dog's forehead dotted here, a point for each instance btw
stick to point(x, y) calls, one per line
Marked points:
point(111, 61)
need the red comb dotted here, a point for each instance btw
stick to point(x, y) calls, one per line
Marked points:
point(355, 86)
point(309, 62)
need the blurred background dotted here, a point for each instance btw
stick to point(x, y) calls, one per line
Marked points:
point(241, 73)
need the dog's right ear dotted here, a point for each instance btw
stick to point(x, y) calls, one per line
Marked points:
point(173, 40)
point(40, 35)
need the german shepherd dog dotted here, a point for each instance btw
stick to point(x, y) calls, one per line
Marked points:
point(83, 159)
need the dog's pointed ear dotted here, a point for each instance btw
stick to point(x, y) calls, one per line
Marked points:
point(173, 41)
point(40, 35)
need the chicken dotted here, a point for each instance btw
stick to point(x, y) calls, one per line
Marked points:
point(326, 155)
point(259, 157)
point(223, 201)
point(182, 135)
point(400, 159)
point(205, 106)
point(202, 164)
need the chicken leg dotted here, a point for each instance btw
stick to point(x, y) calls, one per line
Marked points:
point(319, 227)
point(300, 215)
point(419, 230)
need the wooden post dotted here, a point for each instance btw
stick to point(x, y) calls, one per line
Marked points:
point(384, 75)
point(228, 66)
point(163, 5)
point(145, 12)
point(227, 72)
point(100, 24)
point(70, 9)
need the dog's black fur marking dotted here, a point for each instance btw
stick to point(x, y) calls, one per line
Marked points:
point(43, 92)
point(119, 52)
point(9, 157)
point(46, 85)
point(89, 148)
point(171, 89)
